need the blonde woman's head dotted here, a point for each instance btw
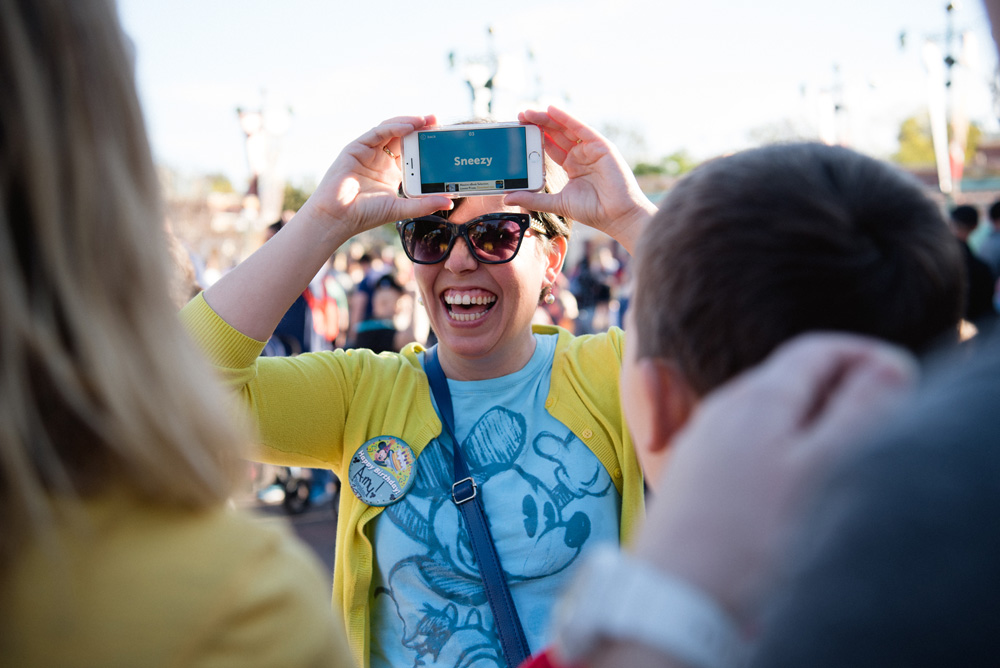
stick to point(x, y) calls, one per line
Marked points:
point(100, 387)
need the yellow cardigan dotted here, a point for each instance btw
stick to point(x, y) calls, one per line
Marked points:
point(117, 582)
point(316, 409)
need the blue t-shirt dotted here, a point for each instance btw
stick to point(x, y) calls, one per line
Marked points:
point(547, 497)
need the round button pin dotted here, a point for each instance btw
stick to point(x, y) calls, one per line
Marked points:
point(382, 470)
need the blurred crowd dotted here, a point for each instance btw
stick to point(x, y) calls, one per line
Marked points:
point(365, 295)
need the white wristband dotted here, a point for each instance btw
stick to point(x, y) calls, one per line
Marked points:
point(618, 596)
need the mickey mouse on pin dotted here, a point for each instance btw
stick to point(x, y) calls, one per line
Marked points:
point(382, 470)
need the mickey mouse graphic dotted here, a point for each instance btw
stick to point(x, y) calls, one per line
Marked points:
point(443, 616)
point(383, 456)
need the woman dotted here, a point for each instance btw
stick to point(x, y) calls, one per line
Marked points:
point(537, 411)
point(116, 546)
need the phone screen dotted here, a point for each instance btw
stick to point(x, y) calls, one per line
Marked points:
point(475, 159)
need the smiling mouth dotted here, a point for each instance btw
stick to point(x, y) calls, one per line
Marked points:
point(466, 306)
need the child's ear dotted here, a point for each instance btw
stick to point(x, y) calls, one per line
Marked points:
point(677, 400)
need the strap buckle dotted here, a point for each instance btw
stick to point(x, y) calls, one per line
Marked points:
point(467, 491)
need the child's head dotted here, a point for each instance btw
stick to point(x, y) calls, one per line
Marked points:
point(752, 249)
point(385, 297)
point(964, 220)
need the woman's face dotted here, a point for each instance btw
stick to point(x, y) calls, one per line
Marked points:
point(482, 313)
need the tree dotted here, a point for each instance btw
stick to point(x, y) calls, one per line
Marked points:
point(678, 163)
point(675, 164)
point(295, 197)
point(972, 144)
point(219, 183)
point(632, 145)
point(916, 148)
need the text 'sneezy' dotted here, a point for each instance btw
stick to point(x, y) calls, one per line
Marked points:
point(459, 162)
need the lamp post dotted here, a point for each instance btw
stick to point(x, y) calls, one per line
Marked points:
point(264, 129)
point(957, 85)
point(479, 72)
point(252, 123)
point(947, 88)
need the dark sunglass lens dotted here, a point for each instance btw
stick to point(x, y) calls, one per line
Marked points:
point(495, 240)
point(426, 241)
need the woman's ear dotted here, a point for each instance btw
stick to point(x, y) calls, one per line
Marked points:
point(556, 257)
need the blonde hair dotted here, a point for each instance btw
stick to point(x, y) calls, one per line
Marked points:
point(101, 387)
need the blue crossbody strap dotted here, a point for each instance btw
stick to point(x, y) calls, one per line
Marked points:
point(465, 494)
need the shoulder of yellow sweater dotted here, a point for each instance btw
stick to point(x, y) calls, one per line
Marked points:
point(113, 566)
point(411, 352)
point(614, 336)
point(119, 524)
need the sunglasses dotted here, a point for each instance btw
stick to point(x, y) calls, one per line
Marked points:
point(493, 239)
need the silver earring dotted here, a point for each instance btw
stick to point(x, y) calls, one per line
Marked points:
point(420, 299)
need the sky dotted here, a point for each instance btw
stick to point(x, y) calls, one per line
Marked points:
point(706, 78)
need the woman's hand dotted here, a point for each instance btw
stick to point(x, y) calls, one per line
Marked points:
point(358, 193)
point(359, 190)
point(601, 193)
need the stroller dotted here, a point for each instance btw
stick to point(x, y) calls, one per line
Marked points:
point(298, 489)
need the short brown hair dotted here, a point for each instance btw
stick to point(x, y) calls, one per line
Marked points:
point(752, 249)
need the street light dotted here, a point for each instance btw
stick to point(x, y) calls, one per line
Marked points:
point(479, 72)
point(264, 129)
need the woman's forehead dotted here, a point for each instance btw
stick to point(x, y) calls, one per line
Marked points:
point(470, 207)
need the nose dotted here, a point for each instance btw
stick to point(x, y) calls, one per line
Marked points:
point(461, 259)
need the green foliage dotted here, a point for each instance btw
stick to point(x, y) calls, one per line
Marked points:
point(972, 144)
point(219, 183)
point(295, 197)
point(679, 163)
point(646, 169)
point(916, 148)
point(675, 164)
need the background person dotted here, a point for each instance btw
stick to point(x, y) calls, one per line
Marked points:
point(537, 411)
point(590, 285)
point(380, 333)
point(117, 547)
point(978, 306)
point(989, 249)
point(294, 334)
point(360, 298)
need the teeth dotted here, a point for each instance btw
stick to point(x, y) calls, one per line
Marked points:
point(468, 300)
point(466, 317)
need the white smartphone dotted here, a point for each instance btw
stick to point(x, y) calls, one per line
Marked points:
point(473, 159)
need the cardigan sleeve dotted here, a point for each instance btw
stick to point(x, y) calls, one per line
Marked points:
point(315, 409)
